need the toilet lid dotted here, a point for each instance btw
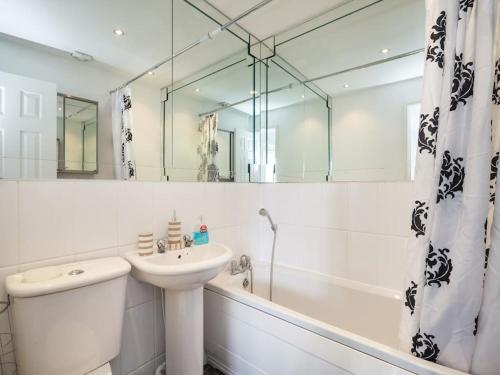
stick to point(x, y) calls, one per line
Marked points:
point(103, 370)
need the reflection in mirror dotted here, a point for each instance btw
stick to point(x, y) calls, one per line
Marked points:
point(333, 96)
point(212, 134)
point(76, 135)
point(368, 56)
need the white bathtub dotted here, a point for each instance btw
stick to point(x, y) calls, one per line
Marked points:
point(316, 325)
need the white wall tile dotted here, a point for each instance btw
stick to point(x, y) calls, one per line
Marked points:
point(138, 292)
point(292, 245)
point(216, 206)
point(394, 208)
point(333, 250)
point(335, 205)
point(4, 272)
point(309, 204)
point(363, 207)
point(138, 343)
point(9, 250)
point(105, 253)
point(94, 215)
point(46, 219)
point(188, 199)
point(392, 262)
point(135, 211)
point(146, 369)
point(363, 257)
point(159, 323)
point(47, 262)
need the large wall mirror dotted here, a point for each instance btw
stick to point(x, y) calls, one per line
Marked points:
point(331, 93)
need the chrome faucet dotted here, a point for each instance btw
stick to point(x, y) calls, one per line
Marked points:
point(244, 265)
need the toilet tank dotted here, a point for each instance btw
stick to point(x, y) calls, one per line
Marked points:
point(68, 318)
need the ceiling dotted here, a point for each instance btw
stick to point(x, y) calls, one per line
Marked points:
point(276, 16)
point(340, 46)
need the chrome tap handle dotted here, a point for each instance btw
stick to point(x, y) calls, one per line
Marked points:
point(245, 262)
point(161, 245)
point(234, 267)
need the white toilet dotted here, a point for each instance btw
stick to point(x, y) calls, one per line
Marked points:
point(68, 318)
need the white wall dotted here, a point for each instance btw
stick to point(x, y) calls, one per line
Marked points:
point(355, 231)
point(94, 81)
point(301, 141)
point(369, 132)
point(52, 222)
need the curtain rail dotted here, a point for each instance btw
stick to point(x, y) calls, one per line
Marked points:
point(210, 35)
point(299, 83)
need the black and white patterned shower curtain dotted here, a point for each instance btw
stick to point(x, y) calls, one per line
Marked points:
point(123, 151)
point(451, 307)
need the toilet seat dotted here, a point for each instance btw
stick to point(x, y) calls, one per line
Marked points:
point(103, 370)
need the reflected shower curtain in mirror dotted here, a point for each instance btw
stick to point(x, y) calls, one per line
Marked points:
point(123, 151)
point(208, 148)
point(451, 304)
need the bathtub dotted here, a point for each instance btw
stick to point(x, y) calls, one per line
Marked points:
point(316, 324)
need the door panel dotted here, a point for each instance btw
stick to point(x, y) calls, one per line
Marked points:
point(28, 127)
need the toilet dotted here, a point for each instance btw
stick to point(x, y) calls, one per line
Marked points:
point(67, 319)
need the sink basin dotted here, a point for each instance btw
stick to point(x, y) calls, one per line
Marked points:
point(182, 273)
point(181, 269)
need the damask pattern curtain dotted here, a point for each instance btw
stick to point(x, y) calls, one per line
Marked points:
point(123, 151)
point(453, 281)
point(451, 308)
point(208, 148)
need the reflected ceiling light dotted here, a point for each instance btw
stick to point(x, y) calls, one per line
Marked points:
point(303, 96)
point(346, 86)
point(253, 92)
point(59, 109)
point(384, 50)
point(197, 89)
point(151, 73)
point(119, 32)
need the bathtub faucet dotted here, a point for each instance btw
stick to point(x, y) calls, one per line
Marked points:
point(244, 265)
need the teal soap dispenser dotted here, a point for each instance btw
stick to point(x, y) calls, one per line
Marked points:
point(200, 237)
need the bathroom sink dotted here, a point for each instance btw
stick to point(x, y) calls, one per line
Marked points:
point(182, 273)
point(188, 268)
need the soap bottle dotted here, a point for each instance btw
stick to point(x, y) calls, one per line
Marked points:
point(200, 237)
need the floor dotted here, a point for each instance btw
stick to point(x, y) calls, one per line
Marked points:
point(209, 370)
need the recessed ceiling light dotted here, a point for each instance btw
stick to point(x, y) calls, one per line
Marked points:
point(346, 86)
point(119, 32)
point(384, 50)
point(197, 89)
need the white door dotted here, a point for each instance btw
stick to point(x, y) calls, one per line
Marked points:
point(28, 127)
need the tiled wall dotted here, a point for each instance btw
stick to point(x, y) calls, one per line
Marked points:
point(53, 222)
point(351, 230)
point(357, 231)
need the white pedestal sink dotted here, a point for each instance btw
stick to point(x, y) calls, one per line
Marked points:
point(182, 274)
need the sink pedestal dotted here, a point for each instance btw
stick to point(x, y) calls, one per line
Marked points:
point(184, 331)
point(181, 274)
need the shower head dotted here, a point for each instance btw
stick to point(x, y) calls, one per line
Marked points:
point(264, 212)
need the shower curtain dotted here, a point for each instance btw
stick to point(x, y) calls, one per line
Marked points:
point(208, 148)
point(451, 307)
point(123, 151)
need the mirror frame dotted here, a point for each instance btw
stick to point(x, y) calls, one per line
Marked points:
point(61, 172)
